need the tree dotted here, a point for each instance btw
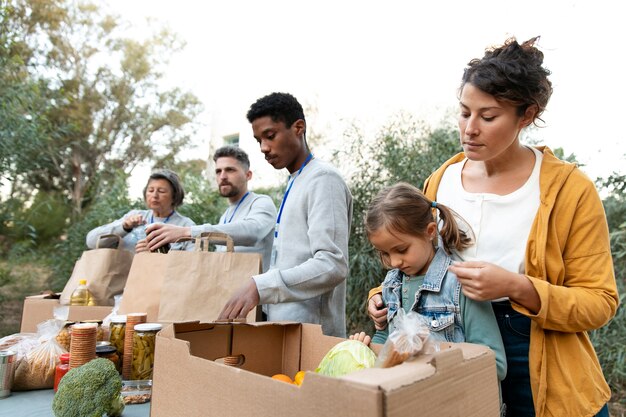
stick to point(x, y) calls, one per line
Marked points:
point(404, 150)
point(100, 107)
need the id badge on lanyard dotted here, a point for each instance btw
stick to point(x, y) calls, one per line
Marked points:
point(274, 254)
point(280, 211)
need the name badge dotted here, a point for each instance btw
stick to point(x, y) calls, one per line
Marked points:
point(274, 254)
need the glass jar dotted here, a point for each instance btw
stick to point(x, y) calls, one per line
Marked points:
point(144, 339)
point(61, 369)
point(109, 352)
point(64, 336)
point(117, 332)
point(99, 330)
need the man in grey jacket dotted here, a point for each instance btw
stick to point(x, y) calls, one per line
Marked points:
point(249, 218)
point(307, 277)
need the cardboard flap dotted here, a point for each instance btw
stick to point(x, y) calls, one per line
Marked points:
point(420, 367)
point(447, 359)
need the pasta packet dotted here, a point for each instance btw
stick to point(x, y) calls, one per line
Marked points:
point(37, 367)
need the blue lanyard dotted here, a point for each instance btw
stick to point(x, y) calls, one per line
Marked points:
point(166, 219)
point(282, 204)
point(235, 211)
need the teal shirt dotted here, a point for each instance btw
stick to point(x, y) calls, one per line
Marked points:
point(479, 323)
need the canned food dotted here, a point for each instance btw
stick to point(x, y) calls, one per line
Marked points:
point(109, 352)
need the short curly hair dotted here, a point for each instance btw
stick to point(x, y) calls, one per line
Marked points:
point(512, 73)
point(281, 107)
point(233, 152)
point(178, 192)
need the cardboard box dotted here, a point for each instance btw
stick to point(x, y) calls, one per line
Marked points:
point(190, 380)
point(39, 308)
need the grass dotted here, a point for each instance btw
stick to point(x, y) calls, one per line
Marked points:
point(18, 280)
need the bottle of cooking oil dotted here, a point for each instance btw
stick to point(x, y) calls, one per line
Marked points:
point(81, 295)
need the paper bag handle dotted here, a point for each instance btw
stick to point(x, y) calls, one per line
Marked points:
point(218, 237)
point(119, 240)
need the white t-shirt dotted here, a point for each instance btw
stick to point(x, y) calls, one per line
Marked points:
point(500, 223)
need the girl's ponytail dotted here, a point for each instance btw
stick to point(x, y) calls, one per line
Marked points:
point(451, 235)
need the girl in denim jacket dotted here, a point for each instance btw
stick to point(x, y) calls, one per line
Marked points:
point(400, 223)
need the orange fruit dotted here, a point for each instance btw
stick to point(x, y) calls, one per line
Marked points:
point(299, 378)
point(283, 377)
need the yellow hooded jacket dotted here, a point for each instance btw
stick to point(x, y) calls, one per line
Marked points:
point(568, 260)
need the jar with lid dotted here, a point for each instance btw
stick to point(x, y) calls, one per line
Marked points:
point(99, 330)
point(64, 336)
point(108, 352)
point(117, 332)
point(144, 338)
point(61, 369)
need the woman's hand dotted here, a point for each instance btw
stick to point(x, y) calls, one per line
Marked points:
point(376, 312)
point(133, 221)
point(484, 281)
point(361, 337)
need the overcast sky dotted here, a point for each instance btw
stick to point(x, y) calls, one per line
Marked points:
point(363, 61)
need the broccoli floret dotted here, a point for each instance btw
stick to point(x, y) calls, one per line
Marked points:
point(91, 390)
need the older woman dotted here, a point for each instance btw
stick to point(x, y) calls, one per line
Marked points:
point(163, 194)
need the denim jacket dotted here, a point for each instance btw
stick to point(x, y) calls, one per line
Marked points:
point(437, 300)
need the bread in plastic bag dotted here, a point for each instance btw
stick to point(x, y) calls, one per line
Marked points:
point(36, 369)
point(409, 338)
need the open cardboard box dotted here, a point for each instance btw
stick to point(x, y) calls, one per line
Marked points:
point(190, 379)
point(39, 308)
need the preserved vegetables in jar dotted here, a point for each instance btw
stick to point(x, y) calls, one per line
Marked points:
point(117, 332)
point(144, 339)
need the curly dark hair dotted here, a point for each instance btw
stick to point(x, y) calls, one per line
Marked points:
point(512, 73)
point(233, 152)
point(281, 107)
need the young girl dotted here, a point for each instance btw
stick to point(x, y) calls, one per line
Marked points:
point(400, 224)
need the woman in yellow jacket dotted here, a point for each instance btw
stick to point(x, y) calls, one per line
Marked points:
point(542, 252)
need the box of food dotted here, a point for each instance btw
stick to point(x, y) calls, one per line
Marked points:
point(225, 369)
point(39, 308)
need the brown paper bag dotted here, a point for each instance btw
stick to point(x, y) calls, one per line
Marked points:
point(143, 286)
point(198, 283)
point(105, 270)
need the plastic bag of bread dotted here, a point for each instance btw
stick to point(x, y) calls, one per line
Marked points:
point(37, 367)
point(409, 338)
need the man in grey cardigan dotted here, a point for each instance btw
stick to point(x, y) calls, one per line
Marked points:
point(307, 277)
point(249, 218)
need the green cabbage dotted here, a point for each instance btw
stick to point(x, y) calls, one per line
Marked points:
point(346, 357)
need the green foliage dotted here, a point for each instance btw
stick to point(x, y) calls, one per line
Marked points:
point(615, 202)
point(610, 340)
point(91, 97)
point(202, 204)
point(46, 217)
point(404, 150)
point(21, 275)
point(93, 389)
